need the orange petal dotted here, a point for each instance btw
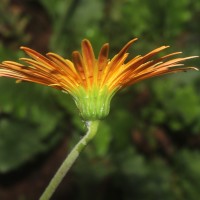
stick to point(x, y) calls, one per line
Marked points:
point(88, 57)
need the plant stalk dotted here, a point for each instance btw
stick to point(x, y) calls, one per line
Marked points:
point(70, 159)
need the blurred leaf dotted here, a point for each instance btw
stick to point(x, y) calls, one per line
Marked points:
point(22, 140)
point(102, 139)
point(181, 106)
point(188, 174)
point(30, 122)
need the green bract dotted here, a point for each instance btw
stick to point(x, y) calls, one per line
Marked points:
point(93, 104)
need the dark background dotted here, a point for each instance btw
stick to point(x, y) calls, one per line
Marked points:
point(148, 148)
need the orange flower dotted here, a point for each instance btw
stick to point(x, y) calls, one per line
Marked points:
point(92, 82)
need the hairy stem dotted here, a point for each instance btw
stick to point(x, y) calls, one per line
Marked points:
point(70, 159)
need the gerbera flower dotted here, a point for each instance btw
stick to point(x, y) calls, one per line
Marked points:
point(92, 82)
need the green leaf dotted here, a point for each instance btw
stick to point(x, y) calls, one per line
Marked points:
point(102, 139)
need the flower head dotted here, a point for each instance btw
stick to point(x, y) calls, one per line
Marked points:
point(92, 81)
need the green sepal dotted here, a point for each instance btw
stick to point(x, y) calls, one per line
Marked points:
point(94, 103)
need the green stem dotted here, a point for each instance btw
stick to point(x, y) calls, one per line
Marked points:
point(71, 158)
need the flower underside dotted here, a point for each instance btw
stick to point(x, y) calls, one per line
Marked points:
point(90, 80)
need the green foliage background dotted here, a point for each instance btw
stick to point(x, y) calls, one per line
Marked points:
point(149, 146)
